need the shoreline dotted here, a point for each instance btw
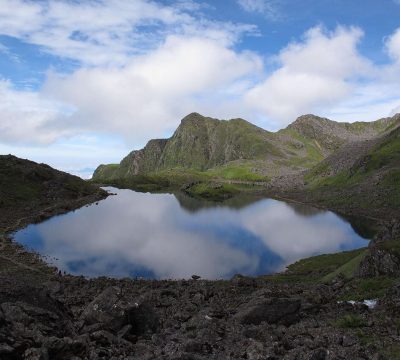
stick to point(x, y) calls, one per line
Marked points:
point(282, 314)
point(67, 206)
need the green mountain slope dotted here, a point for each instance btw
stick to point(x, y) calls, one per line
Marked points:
point(368, 171)
point(237, 149)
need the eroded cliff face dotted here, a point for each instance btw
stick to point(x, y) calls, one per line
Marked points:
point(144, 160)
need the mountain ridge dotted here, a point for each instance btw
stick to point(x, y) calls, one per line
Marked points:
point(202, 144)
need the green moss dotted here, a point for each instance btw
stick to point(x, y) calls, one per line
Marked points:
point(351, 321)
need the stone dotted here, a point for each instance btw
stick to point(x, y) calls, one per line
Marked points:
point(318, 354)
point(273, 311)
point(348, 341)
point(36, 354)
point(6, 349)
point(113, 311)
point(103, 337)
point(108, 309)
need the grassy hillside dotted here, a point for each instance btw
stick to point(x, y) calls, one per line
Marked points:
point(238, 150)
point(27, 187)
point(368, 172)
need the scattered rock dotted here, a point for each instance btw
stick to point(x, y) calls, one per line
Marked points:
point(113, 312)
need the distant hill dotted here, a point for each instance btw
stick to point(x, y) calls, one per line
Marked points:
point(36, 191)
point(368, 170)
point(237, 149)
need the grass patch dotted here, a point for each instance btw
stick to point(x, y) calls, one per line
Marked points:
point(210, 191)
point(385, 153)
point(319, 268)
point(323, 265)
point(346, 269)
point(393, 352)
point(392, 182)
point(350, 321)
point(367, 289)
point(236, 172)
point(392, 246)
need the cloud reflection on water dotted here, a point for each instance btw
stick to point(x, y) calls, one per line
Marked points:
point(151, 235)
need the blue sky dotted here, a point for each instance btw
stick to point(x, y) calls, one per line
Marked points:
point(83, 83)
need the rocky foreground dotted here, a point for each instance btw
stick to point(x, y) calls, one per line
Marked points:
point(305, 313)
point(69, 317)
point(47, 315)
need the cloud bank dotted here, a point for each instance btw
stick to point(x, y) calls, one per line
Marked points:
point(140, 66)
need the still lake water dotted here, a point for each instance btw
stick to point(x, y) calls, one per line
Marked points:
point(174, 236)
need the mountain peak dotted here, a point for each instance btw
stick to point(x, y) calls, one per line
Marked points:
point(194, 116)
point(309, 119)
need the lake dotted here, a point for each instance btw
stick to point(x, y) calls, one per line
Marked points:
point(167, 236)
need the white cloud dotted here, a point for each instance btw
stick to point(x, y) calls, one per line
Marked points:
point(142, 66)
point(393, 46)
point(317, 72)
point(135, 82)
point(265, 7)
point(104, 32)
point(95, 32)
point(149, 95)
point(28, 118)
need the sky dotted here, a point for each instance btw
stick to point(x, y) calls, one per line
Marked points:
point(85, 82)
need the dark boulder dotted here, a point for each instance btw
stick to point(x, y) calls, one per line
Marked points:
point(285, 311)
point(318, 354)
point(114, 311)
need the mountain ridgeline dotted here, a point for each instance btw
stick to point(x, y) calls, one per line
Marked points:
point(237, 149)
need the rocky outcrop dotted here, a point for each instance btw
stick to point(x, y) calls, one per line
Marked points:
point(145, 160)
point(332, 135)
point(379, 262)
point(113, 312)
point(383, 258)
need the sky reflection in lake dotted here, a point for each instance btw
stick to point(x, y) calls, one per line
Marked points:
point(157, 236)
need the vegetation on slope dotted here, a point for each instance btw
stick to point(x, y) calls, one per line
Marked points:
point(374, 172)
point(36, 191)
point(321, 268)
point(239, 150)
point(215, 192)
point(25, 181)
